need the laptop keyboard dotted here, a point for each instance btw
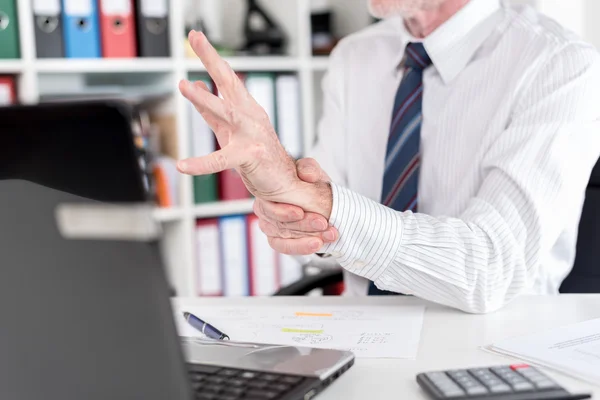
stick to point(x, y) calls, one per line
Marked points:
point(217, 383)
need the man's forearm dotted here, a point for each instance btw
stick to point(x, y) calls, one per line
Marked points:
point(449, 260)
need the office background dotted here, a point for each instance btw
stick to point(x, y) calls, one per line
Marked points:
point(125, 58)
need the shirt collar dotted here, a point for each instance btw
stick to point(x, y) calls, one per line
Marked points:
point(452, 45)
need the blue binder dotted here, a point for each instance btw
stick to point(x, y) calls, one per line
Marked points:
point(81, 29)
point(234, 256)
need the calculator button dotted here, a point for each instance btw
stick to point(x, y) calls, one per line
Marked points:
point(501, 370)
point(500, 388)
point(479, 371)
point(467, 383)
point(515, 367)
point(476, 390)
point(522, 386)
point(458, 374)
point(435, 376)
point(491, 381)
point(457, 392)
point(531, 373)
point(546, 384)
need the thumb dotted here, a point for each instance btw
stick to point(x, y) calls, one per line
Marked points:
point(310, 171)
point(218, 161)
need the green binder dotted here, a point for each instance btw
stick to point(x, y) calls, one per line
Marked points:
point(9, 30)
point(205, 189)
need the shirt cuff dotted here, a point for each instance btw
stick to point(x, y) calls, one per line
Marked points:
point(370, 233)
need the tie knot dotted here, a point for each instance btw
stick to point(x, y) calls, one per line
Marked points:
point(416, 56)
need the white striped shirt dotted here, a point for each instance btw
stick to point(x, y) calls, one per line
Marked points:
point(509, 137)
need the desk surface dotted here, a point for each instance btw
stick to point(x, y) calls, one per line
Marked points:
point(450, 339)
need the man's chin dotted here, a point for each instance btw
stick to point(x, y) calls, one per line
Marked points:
point(387, 12)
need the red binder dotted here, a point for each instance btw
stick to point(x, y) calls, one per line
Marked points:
point(117, 24)
point(8, 93)
point(231, 186)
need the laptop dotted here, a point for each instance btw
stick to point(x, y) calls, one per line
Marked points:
point(84, 299)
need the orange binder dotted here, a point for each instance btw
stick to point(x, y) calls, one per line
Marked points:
point(117, 26)
point(8, 93)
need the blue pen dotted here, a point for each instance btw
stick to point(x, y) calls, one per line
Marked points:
point(204, 327)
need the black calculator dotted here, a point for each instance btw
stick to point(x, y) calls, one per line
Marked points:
point(507, 382)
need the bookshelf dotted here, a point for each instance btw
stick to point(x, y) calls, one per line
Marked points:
point(35, 77)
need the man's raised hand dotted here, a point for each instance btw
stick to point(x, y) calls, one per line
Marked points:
point(247, 139)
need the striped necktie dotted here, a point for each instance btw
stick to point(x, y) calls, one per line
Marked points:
point(402, 161)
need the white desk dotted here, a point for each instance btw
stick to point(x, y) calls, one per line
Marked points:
point(450, 339)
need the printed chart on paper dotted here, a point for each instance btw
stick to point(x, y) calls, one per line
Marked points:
point(369, 332)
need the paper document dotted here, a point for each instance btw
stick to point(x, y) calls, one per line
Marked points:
point(572, 349)
point(369, 332)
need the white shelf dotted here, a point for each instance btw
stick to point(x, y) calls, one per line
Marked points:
point(168, 214)
point(267, 63)
point(223, 208)
point(63, 65)
point(319, 63)
point(11, 66)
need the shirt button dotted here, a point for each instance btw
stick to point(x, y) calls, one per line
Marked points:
point(359, 264)
point(336, 254)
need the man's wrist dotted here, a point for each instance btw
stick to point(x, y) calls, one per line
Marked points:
point(325, 199)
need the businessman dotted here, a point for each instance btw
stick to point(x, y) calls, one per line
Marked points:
point(455, 146)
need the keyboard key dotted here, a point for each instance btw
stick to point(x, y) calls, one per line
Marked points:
point(236, 382)
point(215, 379)
point(249, 375)
point(258, 384)
point(500, 388)
point(522, 386)
point(228, 397)
point(280, 387)
point(269, 377)
point(292, 380)
point(476, 390)
point(199, 377)
point(229, 372)
point(205, 369)
point(233, 391)
point(263, 394)
point(212, 388)
point(206, 396)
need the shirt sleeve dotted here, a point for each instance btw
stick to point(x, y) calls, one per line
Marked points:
point(537, 168)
